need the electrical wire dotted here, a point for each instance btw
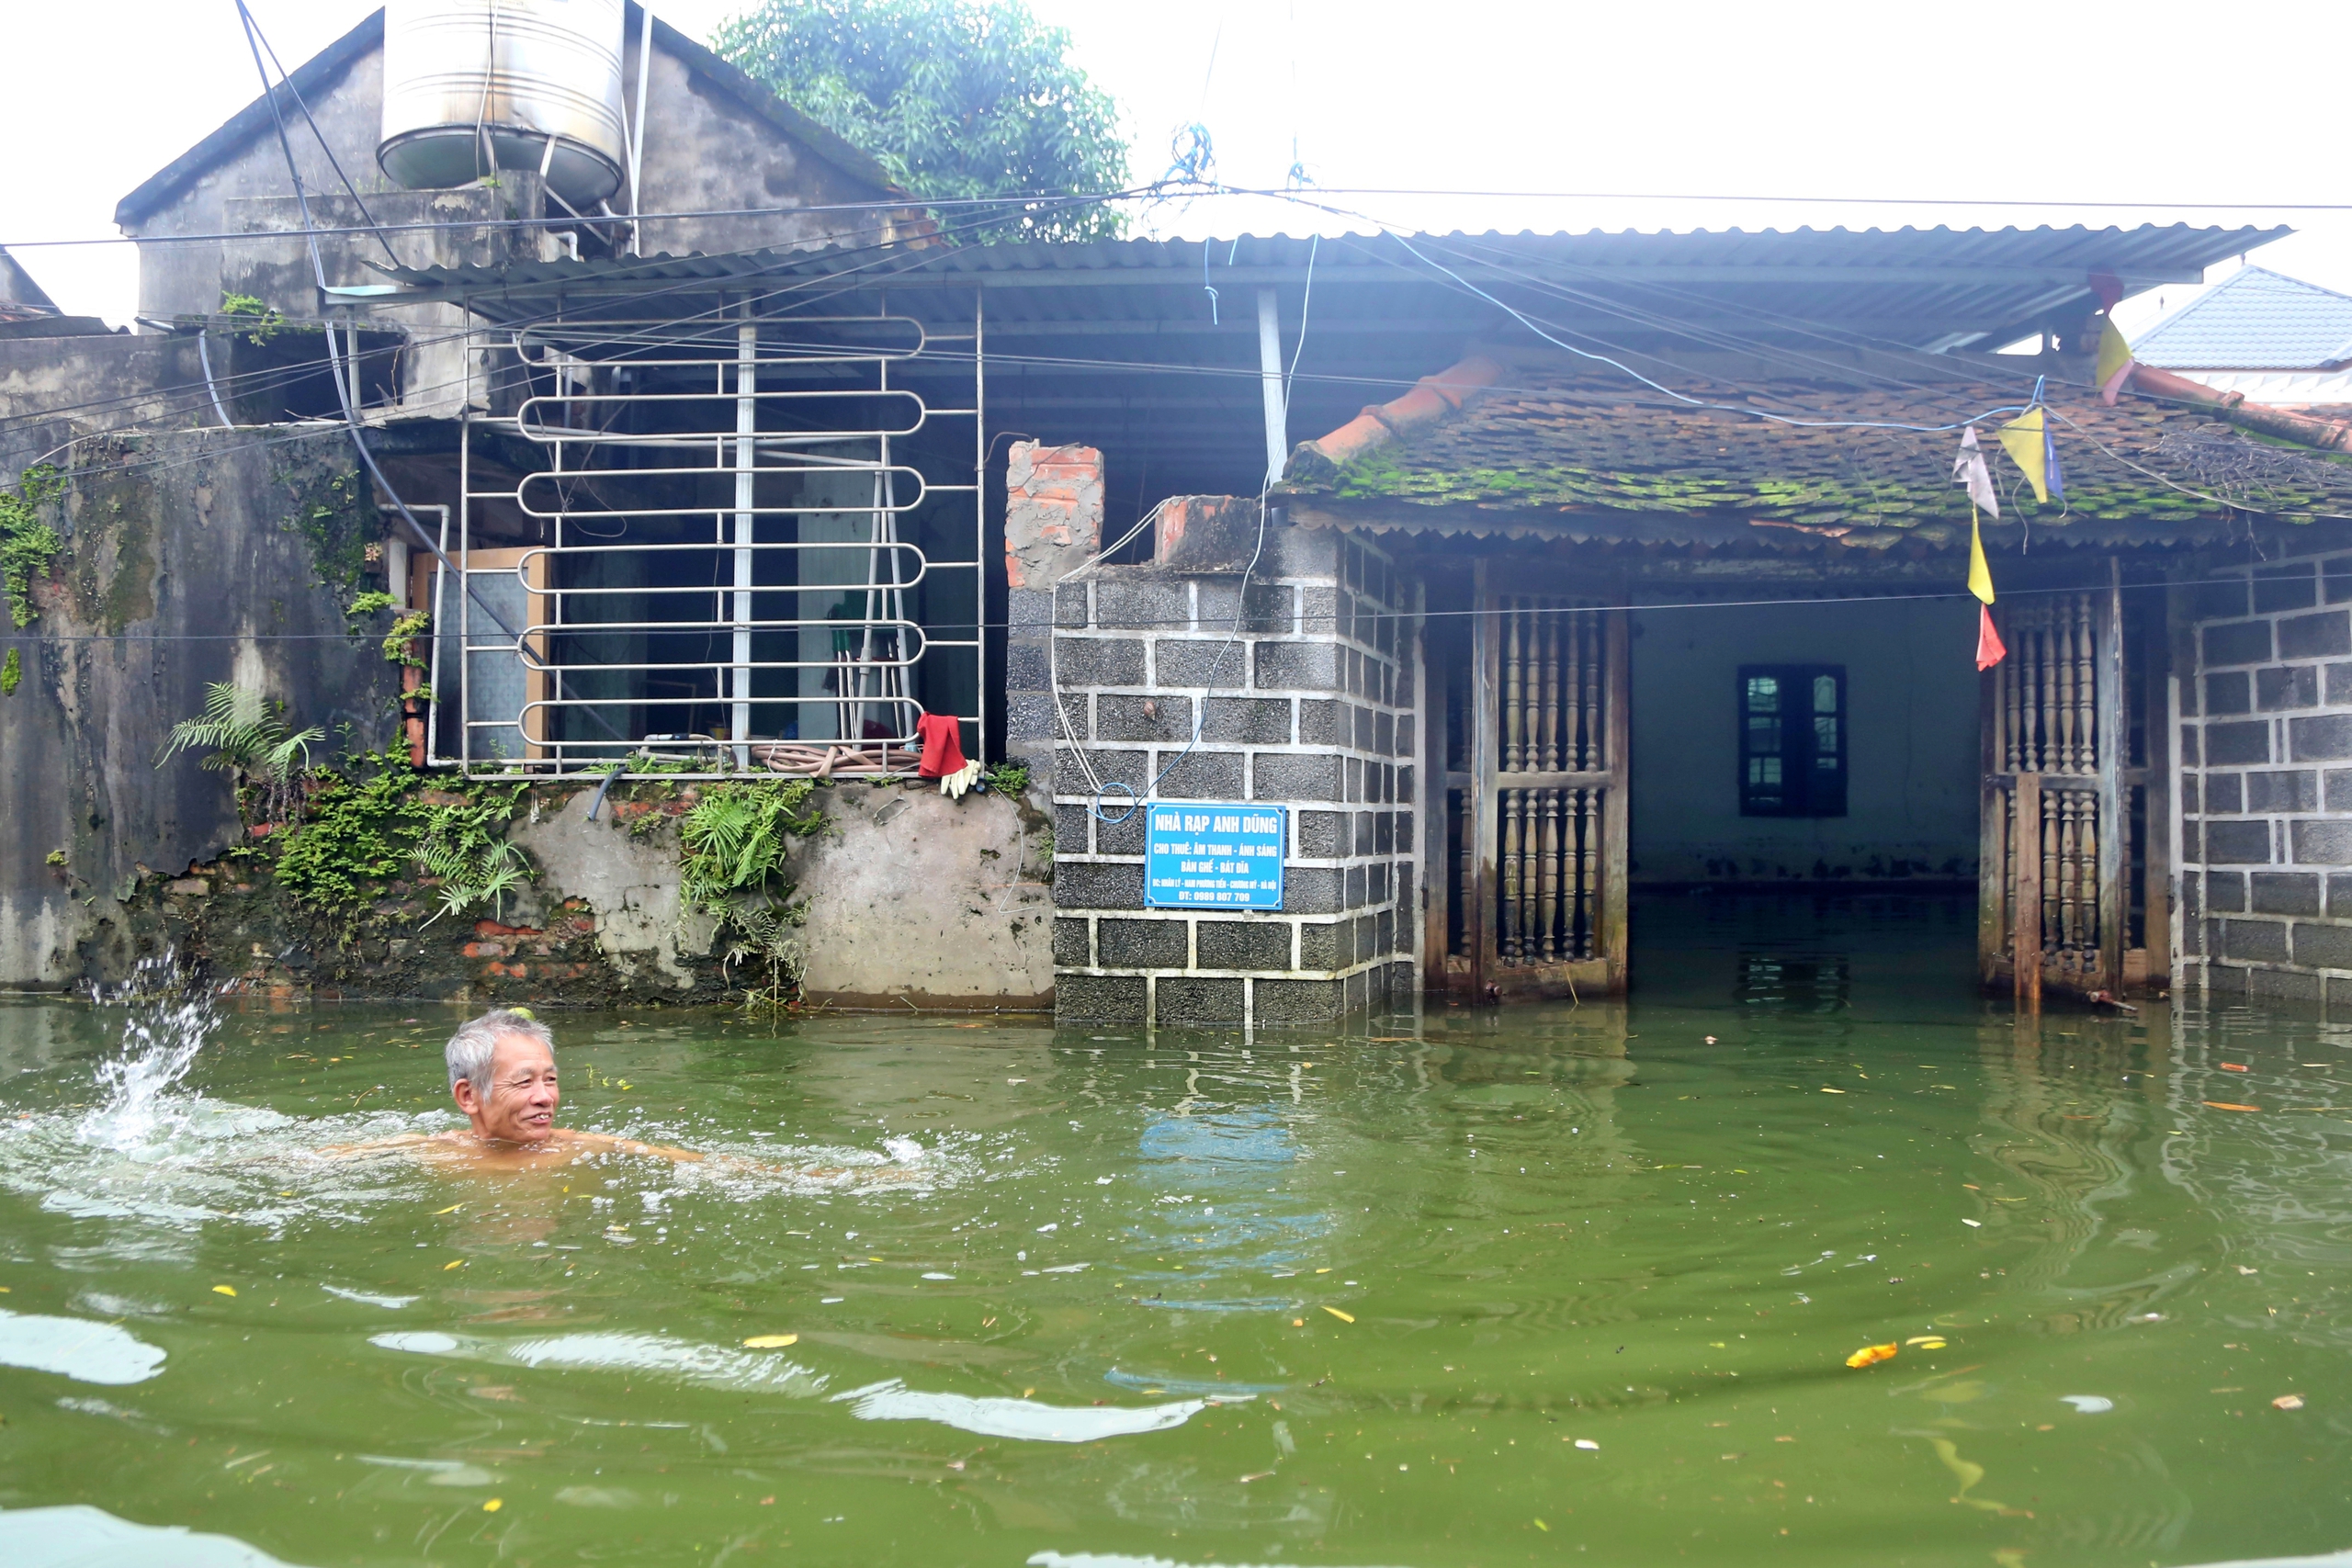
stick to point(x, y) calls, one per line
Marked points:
point(29, 638)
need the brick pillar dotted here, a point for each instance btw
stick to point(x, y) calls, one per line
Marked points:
point(1053, 523)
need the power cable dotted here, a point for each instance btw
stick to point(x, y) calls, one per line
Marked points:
point(286, 80)
point(1361, 613)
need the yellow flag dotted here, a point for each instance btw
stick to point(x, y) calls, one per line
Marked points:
point(2114, 362)
point(1979, 574)
point(2027, 442)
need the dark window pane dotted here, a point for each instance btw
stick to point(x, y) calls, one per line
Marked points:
point(1792, 755)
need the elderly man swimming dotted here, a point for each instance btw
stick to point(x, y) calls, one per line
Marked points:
point(503, 1075)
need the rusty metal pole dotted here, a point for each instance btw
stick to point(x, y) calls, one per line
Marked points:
point(2025, 943)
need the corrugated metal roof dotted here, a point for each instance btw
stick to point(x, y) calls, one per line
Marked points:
point(1938, 287)
point(2255, 320)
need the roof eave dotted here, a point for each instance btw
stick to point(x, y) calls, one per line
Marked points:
point(320, 71)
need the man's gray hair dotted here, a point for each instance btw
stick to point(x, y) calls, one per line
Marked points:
point(470, 1049)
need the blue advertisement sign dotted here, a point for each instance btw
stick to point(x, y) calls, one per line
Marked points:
point(1204, 856)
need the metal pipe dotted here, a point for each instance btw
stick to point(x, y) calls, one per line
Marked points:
point(204, 356)
point(1270, 382)
point(747, 424)
point(636, 131)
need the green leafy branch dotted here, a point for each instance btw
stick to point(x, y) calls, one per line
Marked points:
point(28, 544)
point(267, 318)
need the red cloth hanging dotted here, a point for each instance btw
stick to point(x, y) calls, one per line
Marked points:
point(943, 745)
point(1990, 648)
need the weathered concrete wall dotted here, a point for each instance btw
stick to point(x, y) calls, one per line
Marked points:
point(180, 567)
point(54, 389)
point(2265, 775)
point(1308, 682)
point(914, 902)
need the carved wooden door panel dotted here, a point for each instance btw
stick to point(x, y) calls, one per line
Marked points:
point(2064, 814)
point(1536, 749)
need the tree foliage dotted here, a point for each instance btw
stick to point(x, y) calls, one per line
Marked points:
point(959, 100)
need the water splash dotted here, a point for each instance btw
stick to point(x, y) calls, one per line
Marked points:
point(170, 1019)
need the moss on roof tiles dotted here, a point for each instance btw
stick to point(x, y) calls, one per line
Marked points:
point(1572, 445)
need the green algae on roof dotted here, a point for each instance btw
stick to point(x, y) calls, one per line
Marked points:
point(2164, 469)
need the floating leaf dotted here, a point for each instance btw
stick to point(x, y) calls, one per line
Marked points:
point(1870, 1356)
point(450, 1209)
point(2235, 1067)
point(2225, 1105)
point(770, 1342)
point(1587, 1443)
point(1343, 1317)
point(494, 1504)
point(224, 1290)
point(453, 1263)
point(1544, 1527)
point(2288, 1402)
point(1833, 1090)
point(1931, 1341)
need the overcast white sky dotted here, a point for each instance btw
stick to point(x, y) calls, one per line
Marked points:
point(1718, 103)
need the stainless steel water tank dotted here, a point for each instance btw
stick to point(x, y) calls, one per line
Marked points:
point(475, 86)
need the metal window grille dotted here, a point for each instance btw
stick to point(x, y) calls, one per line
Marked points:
point(725, 546)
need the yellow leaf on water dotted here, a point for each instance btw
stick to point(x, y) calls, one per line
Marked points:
point(454, 1263)
point(1342, 1316)
point(450, 1209)
point(1544, 1527)
point(224, 1290)
point(2225, 1105)
point(1934, 1341)
point(494, 1504)
point(770, 1342)
point(1827, 1090)
point(1870, 1356)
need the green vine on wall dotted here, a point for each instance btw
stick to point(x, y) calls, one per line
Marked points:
point(28, 544)
point(332, 514)
point(368, 823)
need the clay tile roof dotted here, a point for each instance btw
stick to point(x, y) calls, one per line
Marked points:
point(1549, 450)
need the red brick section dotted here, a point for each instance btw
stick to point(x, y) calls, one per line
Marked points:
point(1056, 494)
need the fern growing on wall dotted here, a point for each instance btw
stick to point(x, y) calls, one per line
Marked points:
point(242, 733)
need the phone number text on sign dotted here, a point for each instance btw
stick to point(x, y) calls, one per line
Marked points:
point(1206, 855)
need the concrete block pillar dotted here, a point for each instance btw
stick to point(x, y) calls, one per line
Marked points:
point(1204, 677)
point(1053, 524)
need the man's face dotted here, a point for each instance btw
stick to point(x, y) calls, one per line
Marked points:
point(520, 1107)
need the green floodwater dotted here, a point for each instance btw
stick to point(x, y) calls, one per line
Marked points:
point(1553, 1284)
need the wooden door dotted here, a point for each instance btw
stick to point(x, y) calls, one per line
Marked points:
point(2064, 818)
point(1532, 726)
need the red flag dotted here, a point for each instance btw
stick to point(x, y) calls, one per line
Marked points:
point(1990, 649)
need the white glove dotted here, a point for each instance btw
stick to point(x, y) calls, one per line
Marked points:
point(954, 785)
